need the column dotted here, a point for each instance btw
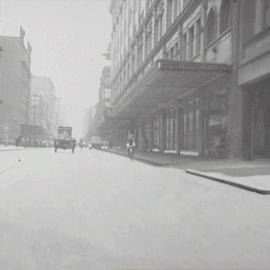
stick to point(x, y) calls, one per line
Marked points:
point(151, 132)
point(179, 130)
point(236, 97)
point(163, 145)
point(204, 40)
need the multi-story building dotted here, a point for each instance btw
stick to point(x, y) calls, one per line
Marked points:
point(253, 77)
point(43, 111)
point(15, 76)
point(172, 63)
point(103, 105)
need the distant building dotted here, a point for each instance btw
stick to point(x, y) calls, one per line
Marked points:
point(15, 77)
point(88, 124)
point(44, 104)
point(103, 106)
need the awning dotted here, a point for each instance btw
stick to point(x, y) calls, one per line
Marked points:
point(165, 81)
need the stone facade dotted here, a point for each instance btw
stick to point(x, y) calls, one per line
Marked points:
point(15, 76)
point(44, 109)
point(180, 71)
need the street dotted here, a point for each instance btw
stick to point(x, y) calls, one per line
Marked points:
point(96, 210)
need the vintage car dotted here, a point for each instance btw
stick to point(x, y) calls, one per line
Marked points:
point(64, 140)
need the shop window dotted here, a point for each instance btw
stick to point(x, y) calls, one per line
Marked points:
point(157, 131)
point(191, 125)
point(211, 25)
point(225, 15)
point(170, 129)
point(171, 53)
point(176, 51)
point(217, 124)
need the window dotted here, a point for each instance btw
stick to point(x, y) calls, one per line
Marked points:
point(225, 15)
point(191, 42)
point(198, 37)
point(266, 15)
point(211, 25)
point(170, 129)
point(191, 125)
point(169, 12)
point(176, 52)
point(175, 9)
point(171, 53)
point(184, 48)
point(249, 7)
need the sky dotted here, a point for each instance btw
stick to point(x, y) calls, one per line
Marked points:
point(68, 38)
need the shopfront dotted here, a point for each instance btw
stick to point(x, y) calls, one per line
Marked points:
point(191, 127)
point(216, 124)
point(257, 120)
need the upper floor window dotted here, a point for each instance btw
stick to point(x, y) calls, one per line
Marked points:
point(211, 25)
point(198, 37)
point(266, 14)
point(225, 15)
point(184, 48)
point(175, 8)
point(185, 2)
point(191, 35)
point(249, 12)
point(169, 12)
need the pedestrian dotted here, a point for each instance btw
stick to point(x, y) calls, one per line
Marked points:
point(131, 145)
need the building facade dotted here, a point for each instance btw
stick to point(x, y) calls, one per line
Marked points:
point(15, 77)
point(103, 106)
point(44, 109)
point(172, 75)
point(253, 77)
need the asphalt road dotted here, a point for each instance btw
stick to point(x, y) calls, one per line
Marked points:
point(95, 210)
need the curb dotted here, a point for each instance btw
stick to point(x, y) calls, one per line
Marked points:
point(228, 182)
point(6, 150)
point(146, 161)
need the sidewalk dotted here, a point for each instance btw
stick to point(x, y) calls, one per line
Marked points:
point(4, 148)
point(249, 175)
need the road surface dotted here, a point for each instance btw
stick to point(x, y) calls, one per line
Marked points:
point(95, 210)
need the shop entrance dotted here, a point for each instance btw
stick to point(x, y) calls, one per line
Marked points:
point(260, 124)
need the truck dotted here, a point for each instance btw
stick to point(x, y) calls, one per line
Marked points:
point(64, 139)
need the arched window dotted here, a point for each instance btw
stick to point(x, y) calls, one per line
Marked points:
point(211, 25)
point(225, 15)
